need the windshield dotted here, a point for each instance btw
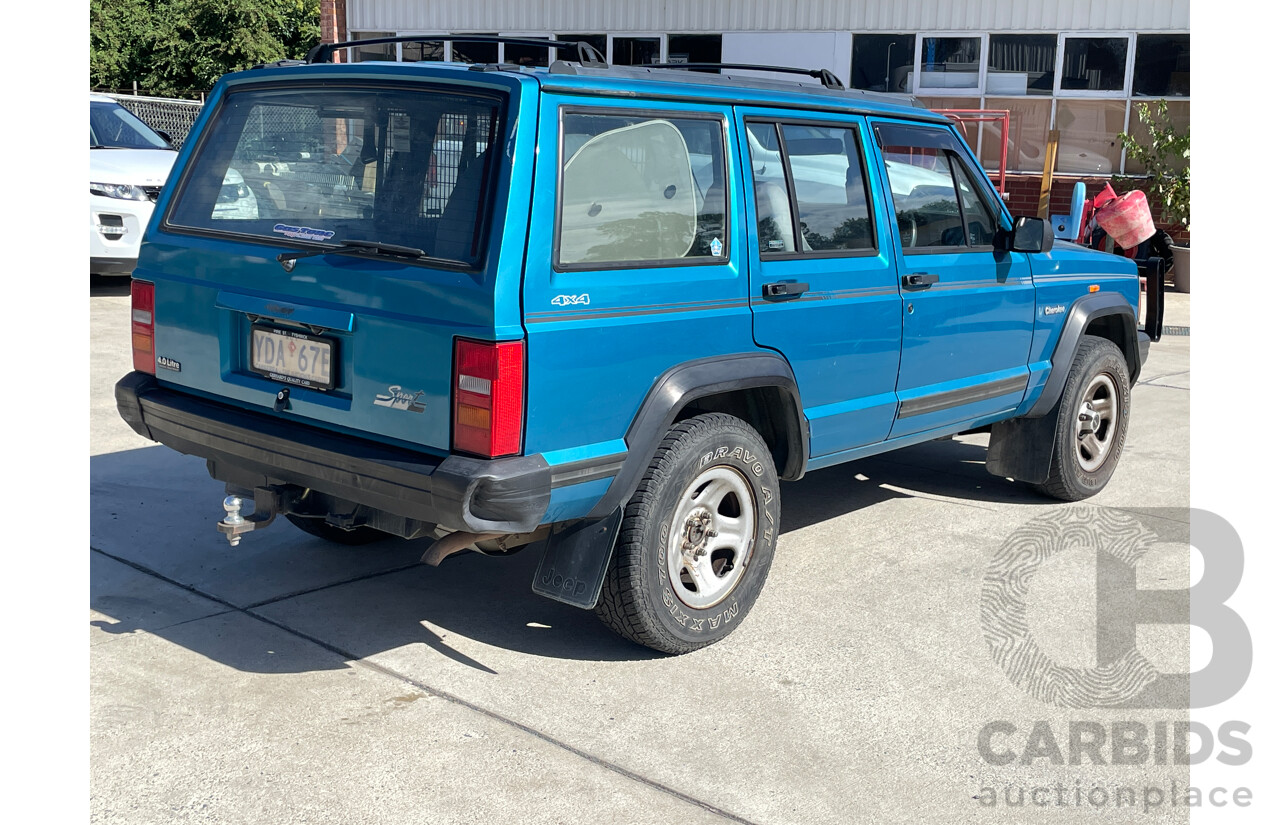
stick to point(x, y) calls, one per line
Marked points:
point(112, 126)
point(396, 166)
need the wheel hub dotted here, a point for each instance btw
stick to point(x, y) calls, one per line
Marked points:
point(711, 537)
point(1095, 422)
point(1090, 419)
point(697, 532)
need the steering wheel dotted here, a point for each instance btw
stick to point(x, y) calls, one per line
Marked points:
point(911, 221)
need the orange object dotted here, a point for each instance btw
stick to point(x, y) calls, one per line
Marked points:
point(1127, 219)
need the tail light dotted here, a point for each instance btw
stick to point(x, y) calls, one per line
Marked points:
point(488, 397)
point(143, 300)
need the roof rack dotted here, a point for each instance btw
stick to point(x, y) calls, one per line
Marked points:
point(587, 54)
point(828, 79)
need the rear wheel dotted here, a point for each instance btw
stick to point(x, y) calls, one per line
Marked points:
point(317, 526)
point(696, 539)
point(1093, 420)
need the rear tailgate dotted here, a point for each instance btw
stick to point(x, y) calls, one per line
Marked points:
point(361, 340)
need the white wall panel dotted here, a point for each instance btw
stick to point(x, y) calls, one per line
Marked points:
point(766, 15)
point(833, 49)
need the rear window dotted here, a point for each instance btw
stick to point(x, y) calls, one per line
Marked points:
point(324, 165)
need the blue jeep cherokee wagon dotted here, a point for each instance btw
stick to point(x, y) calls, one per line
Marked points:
point(603, 311)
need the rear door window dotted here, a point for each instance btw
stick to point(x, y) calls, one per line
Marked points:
point(324, 165)
point(813, 173)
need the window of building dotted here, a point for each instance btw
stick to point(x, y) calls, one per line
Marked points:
point(968, 131)
point(1179, 116)
point(694, 48)
point(636, 51)
point(1087, 130)
point(599, 42)
point(522, 55)
point(882, 62)
point(1021, 64)
point(422, 50)
point(1162, 66)
point(380, 51)
point(950, 62)
point(1094, 64)
point(475, 52)
point(1028, 133)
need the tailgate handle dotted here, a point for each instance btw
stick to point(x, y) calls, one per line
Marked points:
point(783, 289)
point(920, 279)
point(278, 310)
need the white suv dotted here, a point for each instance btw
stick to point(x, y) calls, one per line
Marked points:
point(128, 163)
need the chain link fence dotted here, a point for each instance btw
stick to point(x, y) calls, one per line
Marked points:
point(174, 117)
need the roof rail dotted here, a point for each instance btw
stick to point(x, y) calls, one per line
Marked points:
point(587, 54)
point(828, 79)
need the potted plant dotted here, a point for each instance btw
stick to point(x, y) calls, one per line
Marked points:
point(1165, 152)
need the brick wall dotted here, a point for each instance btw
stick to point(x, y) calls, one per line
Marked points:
point(333, 24)
point(1024, 197)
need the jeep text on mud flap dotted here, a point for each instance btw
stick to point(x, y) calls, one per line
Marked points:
point(604, 311)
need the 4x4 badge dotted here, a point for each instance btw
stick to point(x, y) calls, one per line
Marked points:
point(399, 399)
point(569, 300)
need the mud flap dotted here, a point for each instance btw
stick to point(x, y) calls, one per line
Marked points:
point(575, 560)
point(1022, 449)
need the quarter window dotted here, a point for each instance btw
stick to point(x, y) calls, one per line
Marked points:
point(641, 189)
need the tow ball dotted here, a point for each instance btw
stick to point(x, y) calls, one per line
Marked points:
point(266, 505)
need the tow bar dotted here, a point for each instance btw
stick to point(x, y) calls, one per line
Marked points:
point(266, 504)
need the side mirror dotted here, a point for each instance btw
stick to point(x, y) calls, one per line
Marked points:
point(165, 135)
point(1028, 235)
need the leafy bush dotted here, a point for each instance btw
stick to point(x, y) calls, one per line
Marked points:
point(1163, 154)
point(174, 47)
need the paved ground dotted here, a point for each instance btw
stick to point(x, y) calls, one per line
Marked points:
point(289, 681)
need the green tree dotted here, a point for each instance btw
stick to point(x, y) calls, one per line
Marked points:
point(1165, 152)
point(176, 47)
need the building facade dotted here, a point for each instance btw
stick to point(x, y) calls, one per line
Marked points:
point(1079, 67)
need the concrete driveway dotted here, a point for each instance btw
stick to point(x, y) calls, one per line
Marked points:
point(287, 680)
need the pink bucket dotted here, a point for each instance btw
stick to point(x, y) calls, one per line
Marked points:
point(1127, 219)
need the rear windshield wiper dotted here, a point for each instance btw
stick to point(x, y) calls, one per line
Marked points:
point(392, 250)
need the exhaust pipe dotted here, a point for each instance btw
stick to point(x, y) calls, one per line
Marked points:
point(444, 547)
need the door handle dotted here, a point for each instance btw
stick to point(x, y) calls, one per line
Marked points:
point(919, 279)
point(783, 289)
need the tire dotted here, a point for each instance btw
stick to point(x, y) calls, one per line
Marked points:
point(1093, 421)
point(681, 577)
point(320, 528)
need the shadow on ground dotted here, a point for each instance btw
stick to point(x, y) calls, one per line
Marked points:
point(159, 566)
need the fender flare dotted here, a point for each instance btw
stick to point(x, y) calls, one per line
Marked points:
point(687, 382)
point(1084, 311)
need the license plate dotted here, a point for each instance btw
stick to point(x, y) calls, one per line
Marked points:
point(292, 357)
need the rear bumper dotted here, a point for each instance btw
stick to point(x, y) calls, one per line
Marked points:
point(507, 495)
point(112, 266)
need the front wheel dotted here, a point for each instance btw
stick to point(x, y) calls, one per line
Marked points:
point(696, 539)
point(1093, 420)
